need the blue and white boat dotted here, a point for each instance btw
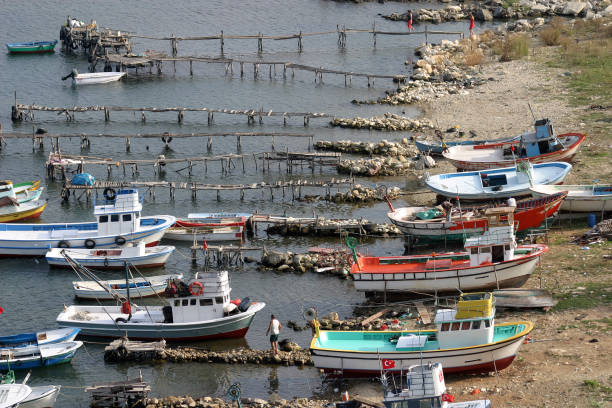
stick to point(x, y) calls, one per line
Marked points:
point(118, 222)
point(39, 338)
point(498, 183)
point(434, 147)
point(19, 358)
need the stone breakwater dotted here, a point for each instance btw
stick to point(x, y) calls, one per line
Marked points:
point(496, 10)
point(323, 226)
point(388, 166)
point(388, 122)
point(358, 194)
point(210, 402)
point(383, 148)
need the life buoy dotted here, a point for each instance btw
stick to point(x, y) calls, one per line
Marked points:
point(192, 289)
point(109, 194)
point(126, 308)
point(90, 243)
point(63, 244)
point(119, 240)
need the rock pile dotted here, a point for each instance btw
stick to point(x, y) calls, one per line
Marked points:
point(389, 166)
point(362, 194)
point(383, 148)
point(324, 226)
point(210, 402)
point(290, 262)
point(389, 122)
point(295, 357)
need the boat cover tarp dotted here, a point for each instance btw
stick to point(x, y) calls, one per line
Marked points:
point(429, 214)
point(83, 179)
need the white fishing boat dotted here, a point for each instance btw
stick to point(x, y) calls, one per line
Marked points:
point(466, 340)
point(205, 233)
point(424, 387)
point(118, 222)
point(11, 395)
point(113, 258)
point(42, 396)
point(213, 220)
point(31, 356)
point(580, 198)
point(198, 311)
point(491, 260)
point(139, 287)
point(93, 78)
point(39, 338)
point(497, 183)
point(540, 146)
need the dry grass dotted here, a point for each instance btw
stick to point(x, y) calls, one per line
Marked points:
point(550, 35)
point(514, 46)
point(475, 57)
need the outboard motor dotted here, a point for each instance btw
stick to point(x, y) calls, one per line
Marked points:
point(167, 311)
point(244, 304)
point(73, 74)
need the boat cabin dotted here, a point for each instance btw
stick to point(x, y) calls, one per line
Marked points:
point(119, 214)
point(497, 243)
point(542, 141)
point(423, 388)
point(206, 298)
point(470, 324)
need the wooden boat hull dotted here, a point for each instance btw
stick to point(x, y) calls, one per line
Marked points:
point(51, 354)
point(97, 78)
point(579, 198)
point(529, 214)
point(428, 147)
point(563, 155)
point(508, 274)
point(91, 290)
point(32, 48)
point(151, 259)
point(31, 213)
point(39, 338)
point(141, 327)
point(75, 235)
point(43, 396)
point(476, 359)
point(210, 234)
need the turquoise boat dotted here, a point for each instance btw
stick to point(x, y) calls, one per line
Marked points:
point(34, 47)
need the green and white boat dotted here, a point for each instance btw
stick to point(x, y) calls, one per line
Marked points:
point(35, 47)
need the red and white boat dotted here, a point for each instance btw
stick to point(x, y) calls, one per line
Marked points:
point(435, 224)
point(541, 146)
point(491, 260)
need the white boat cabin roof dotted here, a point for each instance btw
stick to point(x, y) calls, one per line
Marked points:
point(125, 201)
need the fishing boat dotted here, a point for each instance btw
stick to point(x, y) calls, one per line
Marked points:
point(540, 146)
point(497, 183)
point(93, 78)
point(113, 258)
point(434, 147)
point(437, 224)
point(580, 198)
point(11, 395)
point(466, 340)
point(213, 220)
point(196, 311)
point(26, 187)
point(20, 193)
point(43, 396)
point(39, 338)
point(38, 356)
point(139, 287)
point(35, 47)
point(424, 387)
point(208, 234)
point(118, 222)
point(490, 260)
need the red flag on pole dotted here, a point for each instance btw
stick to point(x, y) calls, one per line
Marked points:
point(388, 364)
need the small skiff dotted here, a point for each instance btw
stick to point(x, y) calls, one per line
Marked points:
point(540, 146)
point(139, 287)
point(213, 220)
point(467, 340)
point(19, 358)
point(35, 47)
point(497, 183)
point(27, 211)
point(113, 258)
point(208, 234)
point(42, 396)
point(94, 77)
point(433, 147)
point(39, 338)
point(20, 193)
point(11, 395)
point(580, 198)
point(431, 224)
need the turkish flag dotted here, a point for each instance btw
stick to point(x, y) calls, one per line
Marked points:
point(388, 364)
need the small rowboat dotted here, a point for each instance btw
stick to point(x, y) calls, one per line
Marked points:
point(541, 146)
point(497, 183)
point(208, 234)
point(432, 147)
point(39, 338)
point(580, 198)
point(94, 77)
point(11, 395)
point(139, 287)
point(19, 358)
point(27, 211)
point(213, 220)
point(35, 47)
point(112, 258)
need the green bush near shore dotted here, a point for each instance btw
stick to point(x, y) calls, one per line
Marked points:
point(514, 46)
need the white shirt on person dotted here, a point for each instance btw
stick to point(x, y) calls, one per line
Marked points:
point(275, 326)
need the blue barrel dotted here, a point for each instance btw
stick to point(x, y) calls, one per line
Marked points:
point(592, 220)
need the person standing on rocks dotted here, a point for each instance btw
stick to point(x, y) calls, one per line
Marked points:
point(410, 21)
point(472, 25)
point(274, 328)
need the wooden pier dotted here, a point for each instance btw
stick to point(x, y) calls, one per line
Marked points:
point(284, 189)
point(129, 393)
point(92, 41)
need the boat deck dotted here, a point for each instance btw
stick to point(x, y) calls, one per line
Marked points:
point(112, 312)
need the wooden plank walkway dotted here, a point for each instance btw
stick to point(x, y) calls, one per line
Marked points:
point(425, 318)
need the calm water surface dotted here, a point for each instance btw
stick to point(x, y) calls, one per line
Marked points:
point(32, 294)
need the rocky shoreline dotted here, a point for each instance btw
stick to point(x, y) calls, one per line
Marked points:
point(210, 402)
point(389, 122)
point(382, 148)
